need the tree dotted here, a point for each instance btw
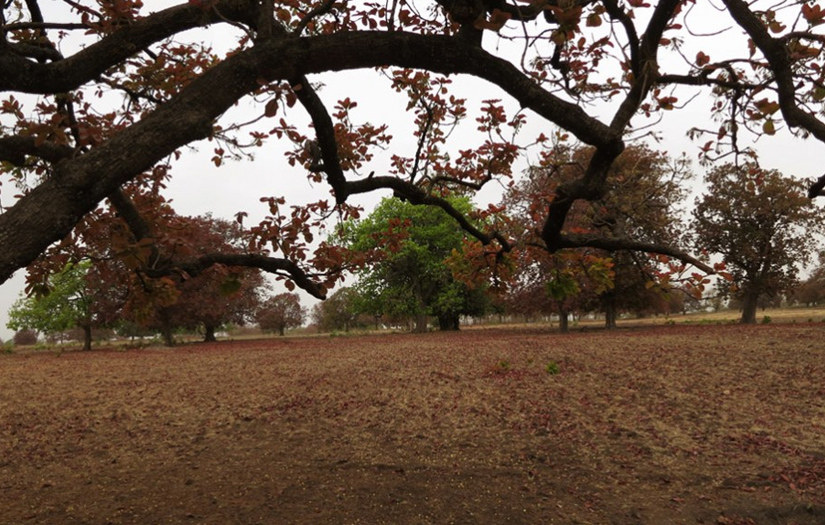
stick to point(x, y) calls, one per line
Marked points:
point(27, 337)
point(117, 111)
point(406, 271)
point(280, 312)
point(761, 225)
point(338, 311)
point(67, 303)
point(646, 188)
point(811, 291)
point(216, 295)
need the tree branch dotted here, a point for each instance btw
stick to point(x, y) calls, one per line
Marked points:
point(49, 211)
point(15, 148)
point(269, 264)
point(617, 244)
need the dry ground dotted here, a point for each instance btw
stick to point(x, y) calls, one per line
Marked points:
point(673, 424)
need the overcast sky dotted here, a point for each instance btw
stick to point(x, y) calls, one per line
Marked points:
point(198, 187)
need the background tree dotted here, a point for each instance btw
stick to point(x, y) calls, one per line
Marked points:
point(280, 312)
point(761, 224)
point(407, 248)
point(68, 302)
point(646, 188)
point(218, 294)
point(811, 291)
point(26, 337)
point(338, 312)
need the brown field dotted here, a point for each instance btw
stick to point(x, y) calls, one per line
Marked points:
point(716, 424)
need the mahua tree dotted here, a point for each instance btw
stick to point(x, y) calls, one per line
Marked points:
point(761, 224)
point(99, 95)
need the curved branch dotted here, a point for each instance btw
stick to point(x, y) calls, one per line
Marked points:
point(618, 244)
point(268, 264)
point(777, 55)
point(20, 74)
point(415, 195)
point(49, 211)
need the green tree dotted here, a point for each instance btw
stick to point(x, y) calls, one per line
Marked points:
point(761, 224)
point(67, 303)
point(407, 248)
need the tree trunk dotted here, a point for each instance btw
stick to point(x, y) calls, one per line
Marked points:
point(749, 305)
point(564, 325)
point(282, 330)
point(87, 337)
point(420, 325)
point(448, 322)
point(209, 333)
point(166, 331)
point(609, 311)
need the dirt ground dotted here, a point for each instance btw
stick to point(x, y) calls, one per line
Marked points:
point(664, 425)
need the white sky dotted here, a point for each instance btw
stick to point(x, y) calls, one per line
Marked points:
point(198, 187)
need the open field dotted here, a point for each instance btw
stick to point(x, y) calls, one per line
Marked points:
point(717, 424)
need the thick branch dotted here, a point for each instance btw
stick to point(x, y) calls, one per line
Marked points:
point(15, 148)
point(20, 74)
point(615, 244)
point(779, 58)
point(267, 264)
point(50, 210)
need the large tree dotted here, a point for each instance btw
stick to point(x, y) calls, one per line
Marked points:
point(102, 94)
point(647, 187)
point(211, 297)
point(406, 271)
point(761, 225)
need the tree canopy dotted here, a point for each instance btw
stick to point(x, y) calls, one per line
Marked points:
point(68, 303)
point(407, 248)
point(100, 97)
point(761, 227)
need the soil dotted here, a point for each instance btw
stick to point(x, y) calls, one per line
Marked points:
point(672, 424)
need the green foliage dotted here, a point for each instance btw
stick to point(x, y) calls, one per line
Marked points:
point(406, 248)
point(766, 319)
point(63, 306)
point(552, 368)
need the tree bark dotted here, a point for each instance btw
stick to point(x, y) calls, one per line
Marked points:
point(448, 322)
point(750, 303)
point(564, 324)
point(209, 333)
point(420, 325)
point(166, 332)
point(609, 310)
point(87, 337)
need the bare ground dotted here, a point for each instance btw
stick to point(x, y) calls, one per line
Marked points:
point(673, 424)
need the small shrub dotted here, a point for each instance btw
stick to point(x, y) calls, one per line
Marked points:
point(766, 319)
point(25, 338)
point(553, 368)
